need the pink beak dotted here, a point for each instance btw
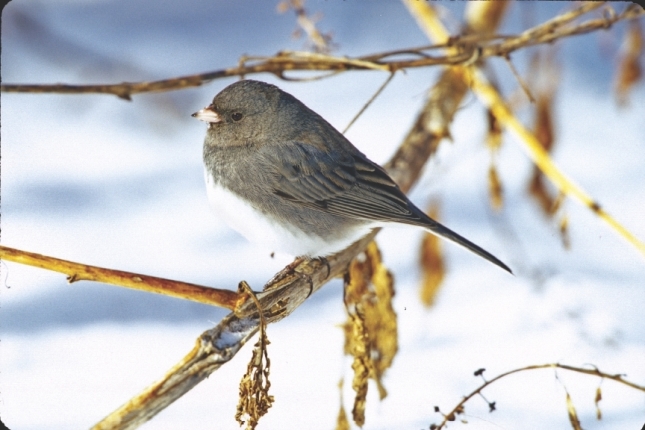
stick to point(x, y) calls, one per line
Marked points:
point(208, 114)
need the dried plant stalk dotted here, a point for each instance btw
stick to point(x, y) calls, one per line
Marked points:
point(487, 94)
point(289, 288)
point(459, 408)
point(478, 46)
point(82, 272)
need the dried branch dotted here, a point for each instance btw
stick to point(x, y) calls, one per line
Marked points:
point(82, 272)
point(369, 102)
point(321, 42)
point(462, 51)
point(629, 71)
point(459, 408)
point(489, 96)
point(255, 401)
point(295, 283)
point(431, 262)
point(371, 333)
point(530, 143)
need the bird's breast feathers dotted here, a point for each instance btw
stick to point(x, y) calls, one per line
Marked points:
point(259, 227)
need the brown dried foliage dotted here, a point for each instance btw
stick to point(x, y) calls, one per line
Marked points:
point(564, 231)
point(495, 187)
point(544, 77)
point(255, 400)
point(319, 41)
point(544, 82)
point(342, 423)
point(432, 263)
point(494, 143)
point(597, 400)
point(573, 414)
point(371, 328)
point(630, 71)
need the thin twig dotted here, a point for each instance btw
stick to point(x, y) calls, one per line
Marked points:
point(534, 149)
point(488, 95)
point(320, 41)
point(595, 372)
point(278, 65)
point(369, 102)
point(519, 79)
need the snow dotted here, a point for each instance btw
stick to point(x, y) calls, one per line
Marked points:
point(118, 184)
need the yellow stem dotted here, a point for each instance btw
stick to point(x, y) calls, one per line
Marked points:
point(82, 272)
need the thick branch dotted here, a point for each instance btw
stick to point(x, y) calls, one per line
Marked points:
point(289, 288)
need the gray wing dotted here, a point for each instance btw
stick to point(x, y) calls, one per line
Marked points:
point(339, 183)
point(349, 185)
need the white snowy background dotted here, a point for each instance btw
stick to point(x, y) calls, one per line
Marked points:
point(98, 180)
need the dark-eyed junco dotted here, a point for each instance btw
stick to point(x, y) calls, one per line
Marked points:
point(281, 175)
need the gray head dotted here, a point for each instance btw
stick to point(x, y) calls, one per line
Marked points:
point(255, 113)
point(251, 112)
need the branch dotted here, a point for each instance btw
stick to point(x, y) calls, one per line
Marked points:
point(295, 283)
point(450, 416)
point(464, 49)
point(82, 272)
point(321, 42)
point(488, 95)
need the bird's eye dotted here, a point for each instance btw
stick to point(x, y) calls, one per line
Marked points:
point(237, 116)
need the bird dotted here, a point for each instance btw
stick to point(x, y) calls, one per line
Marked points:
point(283, 177)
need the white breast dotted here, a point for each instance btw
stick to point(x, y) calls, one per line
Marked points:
point(261, 229)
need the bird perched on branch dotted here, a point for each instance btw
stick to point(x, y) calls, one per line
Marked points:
point(281, 175)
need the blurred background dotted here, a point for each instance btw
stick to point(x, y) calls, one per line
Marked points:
point(103, 181)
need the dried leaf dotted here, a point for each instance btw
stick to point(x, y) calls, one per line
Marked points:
point(432, 264)
point(538, 190)
point(543, 130)
point(544, 78)
point(356, 336)
point(360, 366)
point(629, 70)
point(564, 232)
point(573, 415)
point(596, 402)
point(371, 329)
point(341, 422)
point(494, 135)
point(543, 127)
point(381, 319)
point(495, 188)
point(494, 143)
point(321, 42)
point(282, 6)
point(255, 400)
